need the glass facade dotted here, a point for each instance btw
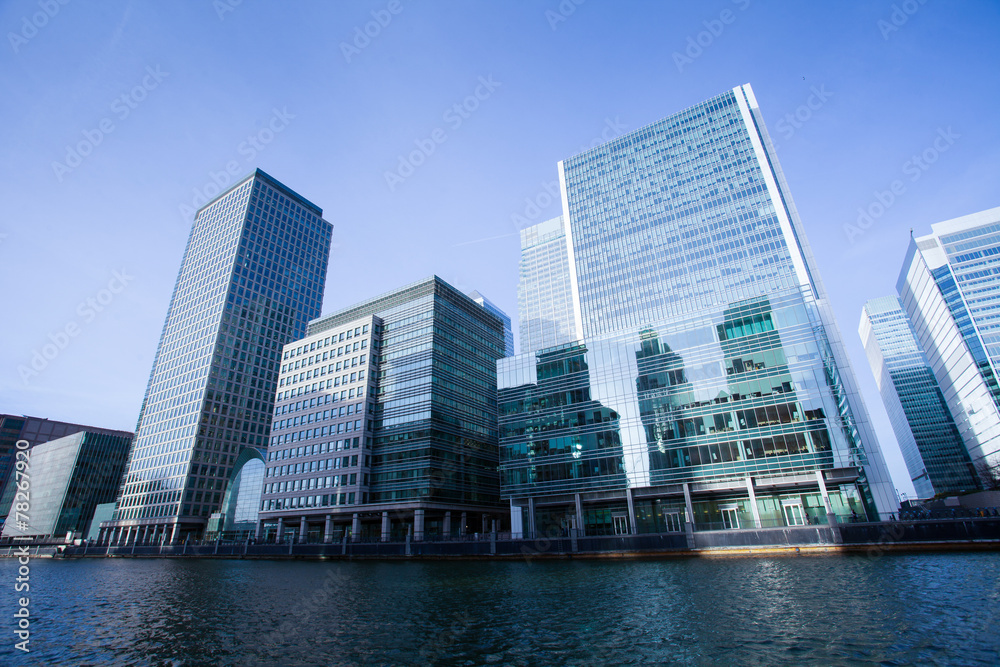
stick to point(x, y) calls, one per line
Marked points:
point(34, 430)
point(950, 291)
point(710, 374)
point(70, 477)
point(238, 515)
point(508, 331)
point(397, 397)
point(545, 289)
point(252, 276)
point(932, 447)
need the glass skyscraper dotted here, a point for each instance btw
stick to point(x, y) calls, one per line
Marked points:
point(545, 288)
point(709, 383)
point(950, 288)
point(385, 420)
point(932, 447)
point(252, 277)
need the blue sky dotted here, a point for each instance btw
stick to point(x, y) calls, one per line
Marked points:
point(162, 97)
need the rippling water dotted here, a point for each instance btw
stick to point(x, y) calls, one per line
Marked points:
point(893, 610)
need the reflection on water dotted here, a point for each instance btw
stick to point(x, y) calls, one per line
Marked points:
point(825, 610)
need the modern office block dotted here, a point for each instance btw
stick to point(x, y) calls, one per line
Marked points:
point(950, 288)
point(33, 430)
point(932, 448)
point(69, 478)
point(709, 383)
point(385, 421)
point(252, 277)
point(545, 288)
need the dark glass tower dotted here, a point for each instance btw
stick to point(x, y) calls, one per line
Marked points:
point(252, 276)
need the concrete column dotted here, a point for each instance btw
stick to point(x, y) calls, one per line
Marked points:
point(281, 529)
point(688, 505)
point(462, 526)
point(128, 534)
point(753, 502)
point(447, 525)
point(418, 525)
point(173, 533)
point(386, 527)
point(356, 528)
point(485, 522)
point(531, 518)
point(831, 518)
point(328, 529)
point(258, 530)
point(579, 515)
point(303, 530)
point(632, 523)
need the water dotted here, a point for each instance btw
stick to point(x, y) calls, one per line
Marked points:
point(889, 610)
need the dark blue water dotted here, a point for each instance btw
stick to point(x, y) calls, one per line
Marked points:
point(891, 610)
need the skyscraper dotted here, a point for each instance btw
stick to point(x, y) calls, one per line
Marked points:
point(707, 340)
point(950, 288)
point(385, 420)
point(545, 288)
point(932, 447)
point(252, 277)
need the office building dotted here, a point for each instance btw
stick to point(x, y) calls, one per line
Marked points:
point(932, 448)
point(708, 383)
point(385, 422)
point(69, 477)
point(252, 277)
point(950, 288)
point(34, 430)
point(544, 289)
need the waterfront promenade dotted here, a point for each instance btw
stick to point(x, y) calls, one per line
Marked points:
point(968, 533)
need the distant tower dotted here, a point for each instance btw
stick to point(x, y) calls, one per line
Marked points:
point(252, 276)
point(932, 447)
point(950, 288)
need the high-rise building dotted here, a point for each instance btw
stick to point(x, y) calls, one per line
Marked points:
point(545, 288)
point(932, 448)
point(34, 430)
point(385, 421)
point(950, 288)
point(252, 277)
point(708, 383)
point(69, 477)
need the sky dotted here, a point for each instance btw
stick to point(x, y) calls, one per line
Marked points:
point(119, 119)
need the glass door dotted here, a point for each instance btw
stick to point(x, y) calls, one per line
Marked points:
point(794, 514)
point(730, 517)
point(621, 525)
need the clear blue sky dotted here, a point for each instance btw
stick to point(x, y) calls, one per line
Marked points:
point(330, 120)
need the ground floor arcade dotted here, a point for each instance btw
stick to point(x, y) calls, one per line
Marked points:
point(762, 502)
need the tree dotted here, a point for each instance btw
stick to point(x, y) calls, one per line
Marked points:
point(989, 474)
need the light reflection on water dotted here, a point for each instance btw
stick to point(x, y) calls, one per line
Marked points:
point(928, 608)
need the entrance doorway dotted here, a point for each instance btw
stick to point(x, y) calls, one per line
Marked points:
point(621, 525)
point(730, 516)
point(673, 520)
point(794, 514)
